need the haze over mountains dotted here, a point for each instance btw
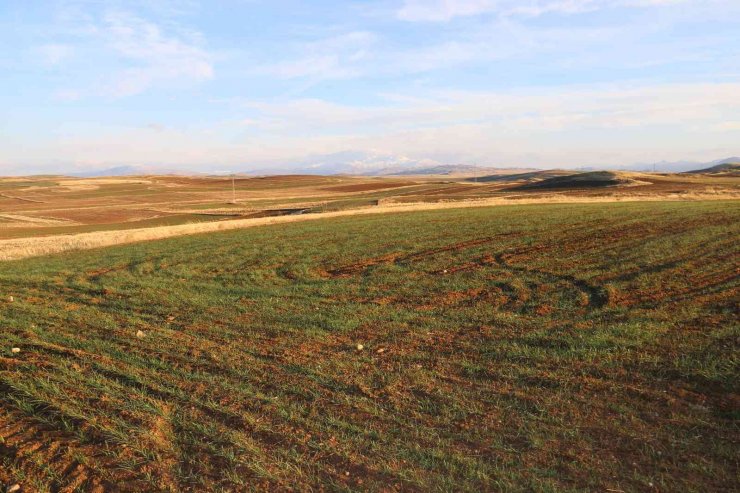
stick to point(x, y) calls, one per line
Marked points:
point(681, 166)
point(352, 163)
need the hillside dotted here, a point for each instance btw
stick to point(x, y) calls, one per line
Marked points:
point(730, 167)
point(529, 176)
point(519, 348)
point(593, 179)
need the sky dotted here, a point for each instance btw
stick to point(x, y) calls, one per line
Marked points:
point(224, 86)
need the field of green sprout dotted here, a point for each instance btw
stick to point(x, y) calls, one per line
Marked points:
point(515, 348)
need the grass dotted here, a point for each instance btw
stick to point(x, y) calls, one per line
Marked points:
point(558, 347)
point(156, 222)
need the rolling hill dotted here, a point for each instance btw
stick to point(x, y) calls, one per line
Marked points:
point(728, 167)
point(529, 176)
point(594, 179)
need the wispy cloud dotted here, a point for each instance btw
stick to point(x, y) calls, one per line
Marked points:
point(613, 124)
point(534, 109)
point(133, 53)
point(445, 10)
point(362, 54)
point(156, 57)
point(54, 54)
point(546, 82)
point(334, 57)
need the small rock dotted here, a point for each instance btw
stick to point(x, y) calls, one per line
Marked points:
point(13, 488)
point(170, 318)
point(15, 350)
point(380, 350)
point(140, 334)
point(360, 347)
point(11, 299)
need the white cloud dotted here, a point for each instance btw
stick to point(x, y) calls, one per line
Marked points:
point(361, 54)
point(157, 57)
point(528, 110)
point(445, 10)
point(125, 54)
point(568, 126)
point(556, 127)
point(101, 52)
point(728, 126)
point(335, 57)
point(67, 95)
point(54, 54)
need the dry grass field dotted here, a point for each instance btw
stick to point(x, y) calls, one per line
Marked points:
point(151, 207)
point(459, 336)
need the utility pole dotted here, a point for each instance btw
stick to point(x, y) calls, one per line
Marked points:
point(233, 190)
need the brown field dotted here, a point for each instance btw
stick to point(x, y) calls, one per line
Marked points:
point(366, 187)
point(72, 213)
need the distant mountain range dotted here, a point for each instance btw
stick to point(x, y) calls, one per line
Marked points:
point(680, 166)
point(375, 164)
point(345, 163)
point(131, 170)
point(454, 169)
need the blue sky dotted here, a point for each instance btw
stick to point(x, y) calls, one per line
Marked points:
point(222, 86)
